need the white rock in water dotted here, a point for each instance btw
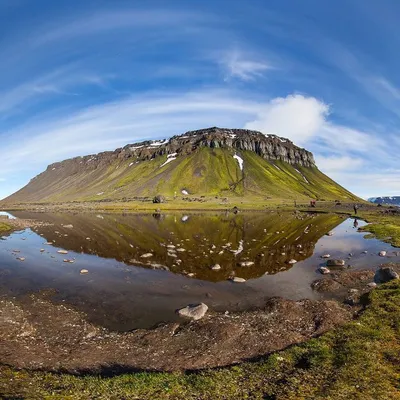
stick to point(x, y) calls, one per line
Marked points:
point(216, 267)
point(324, 270)
point(292, 261)
point(84, 271)
point(21, 258)
point(195, 312)
point(246, 263)
point(382, 253)
point(326, 256)
point(236, 279)
point(62, 251)
point(146, 255)
point(329, 234)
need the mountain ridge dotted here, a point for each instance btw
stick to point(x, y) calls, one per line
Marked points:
point(212, 161)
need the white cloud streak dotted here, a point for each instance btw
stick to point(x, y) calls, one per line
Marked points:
point(237, 64)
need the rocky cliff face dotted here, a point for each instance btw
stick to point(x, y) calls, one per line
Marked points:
point(269, 147)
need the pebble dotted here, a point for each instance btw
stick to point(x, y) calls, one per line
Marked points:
point(216, 267)
point(292, 261)
point(324, 270)
point(236, 279)
point(246, 263)
point(21, 258)
point(68, 261)
point(382, 253)
point(62, 251)
point(146, 255)
point(326, 256)
point(84, 271)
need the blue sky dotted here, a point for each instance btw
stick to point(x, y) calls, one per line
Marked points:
point(79, 77)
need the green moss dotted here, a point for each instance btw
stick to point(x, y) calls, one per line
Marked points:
point(383, 227)
point(357, 361)
point(4, 227)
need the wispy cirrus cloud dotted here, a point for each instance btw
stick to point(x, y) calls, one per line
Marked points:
point(237, 64)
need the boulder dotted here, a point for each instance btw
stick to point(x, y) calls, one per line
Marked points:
point(324, 270)
point(335, 263)
point(386, 274)
point(194, 312)
point(382, 253)
point(159, 199)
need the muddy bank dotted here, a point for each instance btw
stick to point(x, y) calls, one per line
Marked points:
point(36, 334)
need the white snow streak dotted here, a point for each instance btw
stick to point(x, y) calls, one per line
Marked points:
point(239, 160)
point(302, 175)
point(168, 161)
point(159, 143)
point(276, 167)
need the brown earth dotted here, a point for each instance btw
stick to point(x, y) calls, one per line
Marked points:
point(36, 334)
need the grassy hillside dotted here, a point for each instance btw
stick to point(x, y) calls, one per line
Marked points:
point(206, 171)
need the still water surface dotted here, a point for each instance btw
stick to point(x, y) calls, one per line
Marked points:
point(124, 290)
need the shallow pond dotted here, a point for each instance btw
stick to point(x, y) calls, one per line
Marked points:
point(143, 267)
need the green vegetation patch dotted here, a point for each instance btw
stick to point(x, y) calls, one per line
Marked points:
point(4, 227)
point(383, 227)
point(360, 360)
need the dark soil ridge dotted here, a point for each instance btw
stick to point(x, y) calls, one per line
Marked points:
point(36, 334)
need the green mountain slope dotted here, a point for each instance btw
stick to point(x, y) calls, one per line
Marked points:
point(205, 171)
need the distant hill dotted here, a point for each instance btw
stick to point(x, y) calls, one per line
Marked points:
point(393, 200)
point(208, 162)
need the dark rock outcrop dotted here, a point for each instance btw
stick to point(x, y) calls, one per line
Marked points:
point(270, 147)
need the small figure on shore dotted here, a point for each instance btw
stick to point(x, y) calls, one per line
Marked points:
point(355, 208)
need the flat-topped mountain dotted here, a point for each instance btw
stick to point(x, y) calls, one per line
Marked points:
point(213, 161)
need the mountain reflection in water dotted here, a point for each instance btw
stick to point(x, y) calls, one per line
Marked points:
point(192, 243)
